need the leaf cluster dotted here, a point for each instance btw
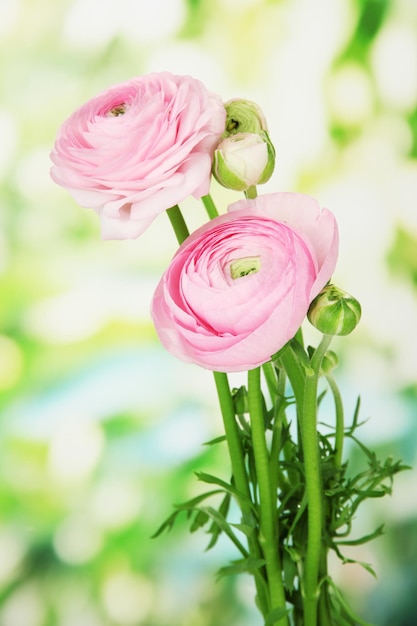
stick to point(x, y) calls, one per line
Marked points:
point(343, 489)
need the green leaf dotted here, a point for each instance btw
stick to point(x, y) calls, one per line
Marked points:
point(290, 559)
point(345, 560)
point(227, 487)
point(215, 530)
point(301, 355)
point(194, 502)
point(356, 621)
point(356, 542)
point(224, 525)
point(201, 518)
point(275, 615)
point(190, 505)
point(214, 480)
point(241, 566)
point(246, 529)
point(213, 442)
point(355, 421)
point(166, 525)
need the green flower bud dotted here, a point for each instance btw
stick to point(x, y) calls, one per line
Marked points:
point(334, 312)
point(243, 116)
point(329, 362)
point(244, 160)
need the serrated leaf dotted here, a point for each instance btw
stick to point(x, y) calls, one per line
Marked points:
point(166, 525)
point(215, 530)
point(227, 487)
point(356, 621)
point(241, 566)
point(192, 504)
point(356, 542)
point(245, 529)
point(355, 420)
point(346, 560)
point(214, 480)
point(201, 518)
point(224, 525)
point(188, 506)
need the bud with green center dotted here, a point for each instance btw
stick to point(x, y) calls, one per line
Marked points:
point(334, 312)
point(243, 116)
point(244, 160)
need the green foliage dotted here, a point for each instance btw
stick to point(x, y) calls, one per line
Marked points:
point(344, 489)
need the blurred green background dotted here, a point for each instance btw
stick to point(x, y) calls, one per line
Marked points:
point(100, 429)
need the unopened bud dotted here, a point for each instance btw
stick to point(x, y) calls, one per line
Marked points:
point(329, 362)
point(244, 160)
point(243, 116)
point(334, 312)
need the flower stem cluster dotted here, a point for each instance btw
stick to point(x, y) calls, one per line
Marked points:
point(233, 299)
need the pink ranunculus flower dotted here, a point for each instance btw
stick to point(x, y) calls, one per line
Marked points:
point(139, 148)
point(240, 286)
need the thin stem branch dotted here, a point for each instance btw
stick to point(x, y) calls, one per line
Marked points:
point(178, 223)
point(251, 192)
point(210, 207)
point(267, 505)
point(279, 404)
point(340, 421)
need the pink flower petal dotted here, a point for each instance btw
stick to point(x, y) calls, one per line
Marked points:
point(205, 314)
point(148, 142)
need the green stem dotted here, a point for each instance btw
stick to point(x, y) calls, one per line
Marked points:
point(178, 223)
point(251, 192)
point(271, 380)
point(232, 433)
point(279, 404)
point(313, 486)
point(296, 375)
point(324, 607)
point(210, 207)
point(267, 505)
point(236, 454)
point(340, 421)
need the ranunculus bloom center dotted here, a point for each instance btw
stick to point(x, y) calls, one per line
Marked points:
point(243, 267)
point(119, 109)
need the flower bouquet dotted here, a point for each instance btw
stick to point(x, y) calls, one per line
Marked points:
point(234, 299)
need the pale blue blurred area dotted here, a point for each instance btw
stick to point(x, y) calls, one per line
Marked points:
point(101, 431)
point(119, 382)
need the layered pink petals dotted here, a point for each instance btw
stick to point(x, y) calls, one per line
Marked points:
point(139, 148)
point(240, 286)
